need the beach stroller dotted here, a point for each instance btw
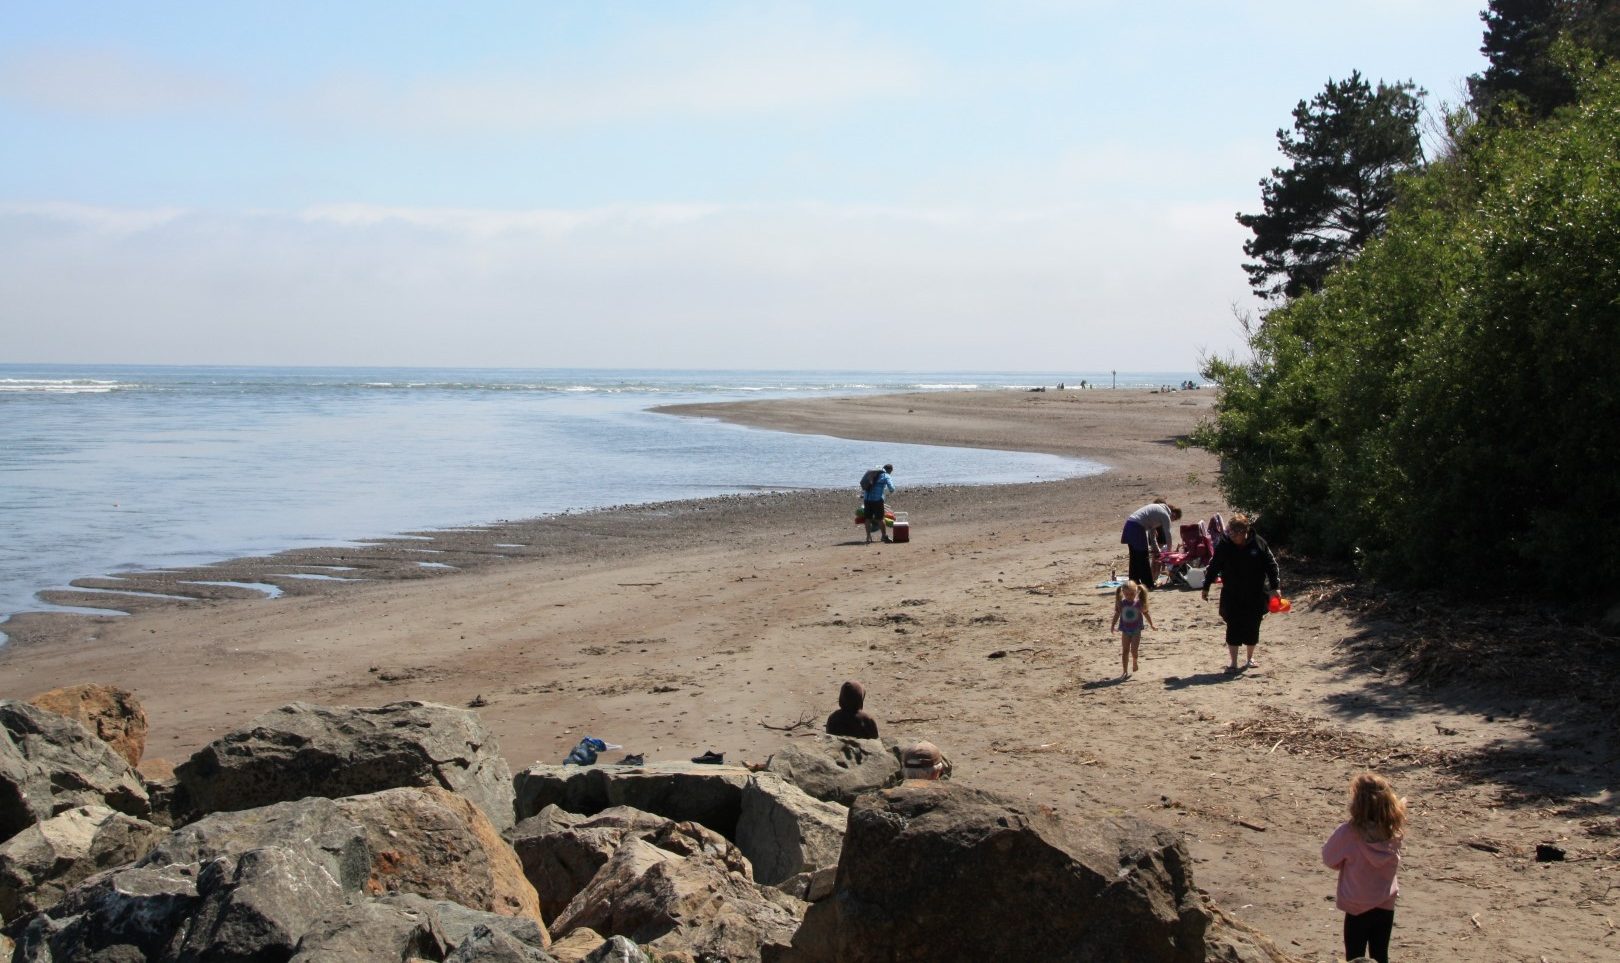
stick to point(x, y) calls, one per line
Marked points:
point(1185, 565)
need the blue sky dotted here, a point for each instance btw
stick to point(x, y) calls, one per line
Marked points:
point(1019, 185)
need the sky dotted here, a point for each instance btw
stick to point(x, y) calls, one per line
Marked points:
point(1025, 185)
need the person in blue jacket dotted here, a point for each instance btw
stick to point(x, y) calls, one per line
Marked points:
point(875, 485)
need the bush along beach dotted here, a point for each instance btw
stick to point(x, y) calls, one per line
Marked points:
point(1444, 411)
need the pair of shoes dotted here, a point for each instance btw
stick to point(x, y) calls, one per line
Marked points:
point(1230, 670)
point(710, 758)
point(634, 759)
point(888, 541)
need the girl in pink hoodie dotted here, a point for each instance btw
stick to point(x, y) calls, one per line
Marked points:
point(1366, 851)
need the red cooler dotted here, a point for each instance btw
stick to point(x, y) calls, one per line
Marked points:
point(902, 527)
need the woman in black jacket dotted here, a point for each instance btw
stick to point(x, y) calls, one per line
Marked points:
point(1245, 561)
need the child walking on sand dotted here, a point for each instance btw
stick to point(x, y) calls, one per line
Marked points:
point(1130, 611)
point(1366, 850)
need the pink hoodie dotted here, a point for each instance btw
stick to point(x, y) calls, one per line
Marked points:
point(1366, 870)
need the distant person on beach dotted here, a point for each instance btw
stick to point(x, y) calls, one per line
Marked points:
point(1148, 530)
point(851, 719)
point(1245, 561)
point(1366, 850)
point(923, 761)
point(1130, 611)
point(875, 486)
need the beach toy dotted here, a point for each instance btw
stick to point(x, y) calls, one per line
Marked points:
point(1275, 605)
point(1287, 605)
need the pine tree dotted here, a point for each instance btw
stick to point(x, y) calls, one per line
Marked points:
point(1348, 144)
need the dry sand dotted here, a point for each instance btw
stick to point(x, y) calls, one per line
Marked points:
point(728, 624)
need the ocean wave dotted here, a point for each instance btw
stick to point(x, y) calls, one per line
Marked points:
point(60, 386)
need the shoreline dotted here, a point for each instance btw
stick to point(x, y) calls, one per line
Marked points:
point(688, 626)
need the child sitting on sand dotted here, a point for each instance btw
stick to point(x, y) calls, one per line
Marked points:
point(1366, 850)
point(1130, 611)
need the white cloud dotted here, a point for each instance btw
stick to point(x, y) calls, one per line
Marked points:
point(743, 286)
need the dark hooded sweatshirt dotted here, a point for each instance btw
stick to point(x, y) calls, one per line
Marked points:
point(850, 719)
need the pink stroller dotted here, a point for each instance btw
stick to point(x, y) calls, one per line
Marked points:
point(1196, 551)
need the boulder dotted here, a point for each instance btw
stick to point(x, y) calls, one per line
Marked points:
point(560, 851)
point(304, 750)
point(487, 945)
point(50, 764)
point(618, 950)
point(682, 904)
point(123, 914)
point(578, 945)
point(924, 869)
point(711, 795)
point(785, 831)
point(436, 844)
point(255, 906)
point(837, 768)
point(374, 930)
point(112, 714)
point(259, 884)
point(47, 859)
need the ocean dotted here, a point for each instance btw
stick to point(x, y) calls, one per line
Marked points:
point(107, 469)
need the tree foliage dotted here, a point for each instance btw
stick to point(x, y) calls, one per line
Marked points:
point(1526, 76)
point(1446, 409)
point(1348, 144)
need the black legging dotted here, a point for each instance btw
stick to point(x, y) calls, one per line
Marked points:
point(1367, 934)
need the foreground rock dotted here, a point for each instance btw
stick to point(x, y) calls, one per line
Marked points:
point(784, 831)
point(562, 852)
point(47, 859)
point(304, 750)
point(299, 877)
point(711, 795)
point(672, 903)
point(436, 844)
point(837, 768)
point(50, 764)
point(927, 872)
point(112, 715)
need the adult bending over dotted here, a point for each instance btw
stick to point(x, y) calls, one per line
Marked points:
point(875, 486)
point(1244, 561)
point(1147, 530)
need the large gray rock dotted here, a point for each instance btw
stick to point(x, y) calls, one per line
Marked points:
point(837, 768)
point(403, 926)
point(618, 950)
point(488, 945)
point(48, 858)
point(255, 906)
point(711, 795)
point(682, 904)
point(123, 914)
point(50, 764)
point(304, 750)
point(561, 851)
point(258, 884)
point(785, 831)
point(925, 870)
point(373, 931)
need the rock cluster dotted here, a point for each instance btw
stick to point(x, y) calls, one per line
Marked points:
point(395, 833)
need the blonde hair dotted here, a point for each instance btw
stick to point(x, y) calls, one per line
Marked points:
point(1135, 592)
point(1239, 520)
point(1376, 812)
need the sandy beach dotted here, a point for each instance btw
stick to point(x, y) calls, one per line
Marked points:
point(728, 624)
